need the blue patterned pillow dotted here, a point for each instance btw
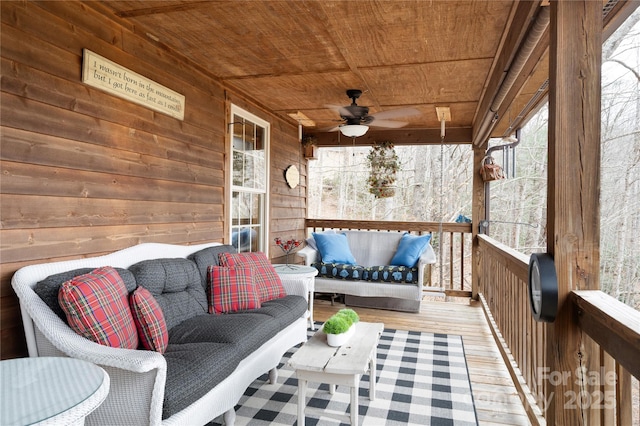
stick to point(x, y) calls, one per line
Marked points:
point(340, 271)
point(410, 249)
point(391, 274)
point(334, 248)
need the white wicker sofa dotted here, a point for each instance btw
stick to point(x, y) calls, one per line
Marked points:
point(373, 250)
point(138, 377)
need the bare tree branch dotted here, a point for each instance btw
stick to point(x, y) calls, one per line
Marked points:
point(622, 64)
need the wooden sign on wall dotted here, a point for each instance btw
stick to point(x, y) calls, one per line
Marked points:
point(106, 75)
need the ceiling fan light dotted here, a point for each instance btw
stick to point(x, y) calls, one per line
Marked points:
point(353, 130)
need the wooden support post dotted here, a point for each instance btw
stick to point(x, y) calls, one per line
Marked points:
point(477, 214)
point(573, 199)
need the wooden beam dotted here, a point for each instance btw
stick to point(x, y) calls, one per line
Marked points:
point(457, 293)
point(477, 215)
point(617, 15)
point(529, 68)
point(459, 135)
point(612, 324)
point(573, 221)
point(520, 22)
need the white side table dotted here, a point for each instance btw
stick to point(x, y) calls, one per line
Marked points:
point(50, 390)
point(300, 275)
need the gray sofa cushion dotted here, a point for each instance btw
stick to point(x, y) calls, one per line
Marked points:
point(48, 288)
point(209, 256)
point(175, 284)
point(285, 310)
point(193, 369)
point(247, 331)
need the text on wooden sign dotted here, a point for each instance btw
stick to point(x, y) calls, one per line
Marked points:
point(106, 75)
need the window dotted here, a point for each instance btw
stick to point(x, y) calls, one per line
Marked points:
point(249, 175)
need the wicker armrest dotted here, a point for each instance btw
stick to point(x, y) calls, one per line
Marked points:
point(309, 254)
point(295, 287)
point(69, 342)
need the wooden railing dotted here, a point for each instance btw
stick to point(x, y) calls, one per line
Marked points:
point(521, 340)
point(452, 272)
point(607, 323)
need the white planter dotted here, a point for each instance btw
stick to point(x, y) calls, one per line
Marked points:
point(336, 340)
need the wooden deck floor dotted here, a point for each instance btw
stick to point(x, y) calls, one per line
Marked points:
point(495, 397)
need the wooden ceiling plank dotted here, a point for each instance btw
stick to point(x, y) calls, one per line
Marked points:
point(165, 8)
point(344, 49)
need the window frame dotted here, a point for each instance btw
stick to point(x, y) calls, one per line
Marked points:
point(236, 111)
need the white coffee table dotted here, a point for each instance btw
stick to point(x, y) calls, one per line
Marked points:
point(318, 362)
point(300, 275)
point(50, 390)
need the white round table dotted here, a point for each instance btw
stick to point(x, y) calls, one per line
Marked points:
point(300, 275)
point(50, 390)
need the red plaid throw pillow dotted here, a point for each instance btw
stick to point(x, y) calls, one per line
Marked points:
point(231, 289)
point(268, 283)
point(97, 308)
point(149, 320)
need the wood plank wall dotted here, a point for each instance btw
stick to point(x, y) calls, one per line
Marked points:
point(85, 173)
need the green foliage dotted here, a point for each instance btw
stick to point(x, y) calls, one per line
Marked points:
point(337, 324)
point(350, 314)
point(341, 321)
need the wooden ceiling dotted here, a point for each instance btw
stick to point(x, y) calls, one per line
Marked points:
point(299, 56)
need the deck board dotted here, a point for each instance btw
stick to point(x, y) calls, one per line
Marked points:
point(495, 397)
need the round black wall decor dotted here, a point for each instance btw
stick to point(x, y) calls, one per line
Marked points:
point(543, 287)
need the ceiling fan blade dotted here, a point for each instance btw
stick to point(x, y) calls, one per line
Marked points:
point(336, 108)
point(343, 111)
point(329, 129)
point(388, 123)
point(396, 113)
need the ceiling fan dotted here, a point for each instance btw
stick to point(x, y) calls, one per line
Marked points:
point(357, 118)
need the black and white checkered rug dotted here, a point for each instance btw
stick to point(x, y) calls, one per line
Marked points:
point(422, 380)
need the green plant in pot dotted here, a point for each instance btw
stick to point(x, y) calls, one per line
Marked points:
point(339, 327)
point(337, 324)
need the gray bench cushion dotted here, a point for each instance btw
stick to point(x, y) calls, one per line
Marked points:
point(385, 273)
point(391, 274)
point(48, 288)
point(339, 271)
point(175, 284)
point(246, 331)
point(193, 369)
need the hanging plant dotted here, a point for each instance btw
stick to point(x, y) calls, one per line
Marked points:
point(309, 147)
point(384, 164)
point(309, 140)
